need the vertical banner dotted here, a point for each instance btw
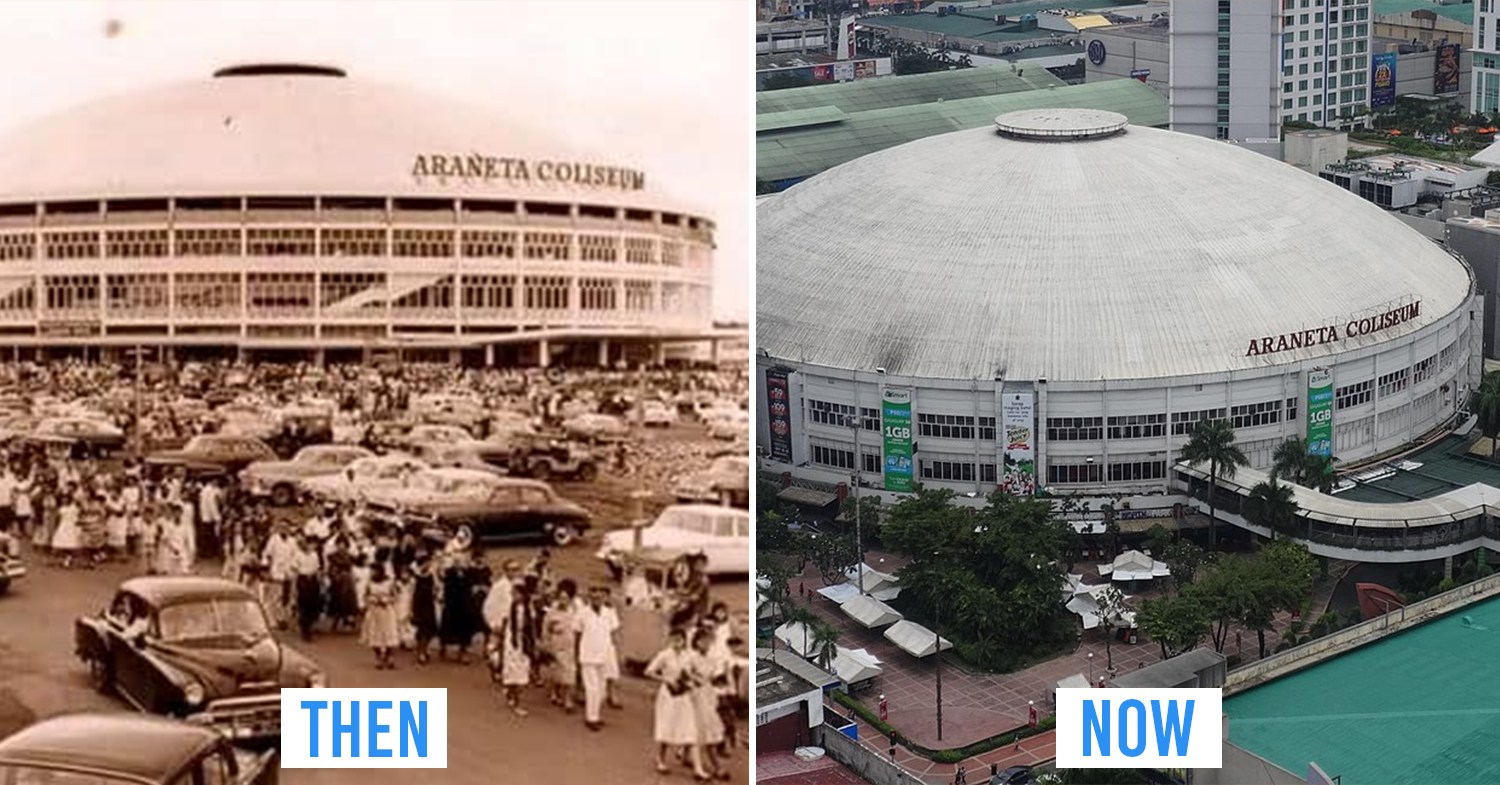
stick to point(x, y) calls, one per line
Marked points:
point(1320, 412)
point(779, 415)
point(1018, 420)
point(1383, 80)
point(895, 424)
point(1445, 74)
point(846, 38)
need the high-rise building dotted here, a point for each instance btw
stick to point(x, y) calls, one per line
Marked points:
point(1484, 95)
point(1325, 61)
point(1241, 68)
point(1225, 78)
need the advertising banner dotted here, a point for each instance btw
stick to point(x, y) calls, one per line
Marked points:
point(1320, 412)
point(1445, 74)
point(1383, 80)
point(895, 424)
point(779, 415)
point(1018, 421)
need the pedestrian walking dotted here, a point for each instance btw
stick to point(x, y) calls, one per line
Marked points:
point(595, 625)
point(674, 726)
point(379, 628)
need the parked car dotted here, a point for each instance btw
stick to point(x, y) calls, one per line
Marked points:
point(656, 414)
point(214, 454)
point(246, 418)
point(436, 434)
point(454, 456)
point(129, 749)
point(363, 476)
point(11, 566)
point(446, 409)
point(1015, 775)
point(729, 425)
point(17, 426)
point(281, 480)
point(720, 533)
point(510, 509)
point(84, 437)
point(196, 648)
point(596, 427)
point(725, 481)
point(434, 487)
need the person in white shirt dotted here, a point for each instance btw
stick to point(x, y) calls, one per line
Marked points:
point(210, 501)
point(596, 625)
point(279, 556)
point(8, 486)
point(308, 568)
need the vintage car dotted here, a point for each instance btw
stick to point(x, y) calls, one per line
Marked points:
point(213, 454)
point(362, 477)
point(548, 457)
point(281, 480)
point(438, 434)
point(596, 427)
point(454, 456)
point(656, 414)
point(507, 510)
point(433, 486)
point(196, 648)
point(447, 409)
point(503, 424)
point(11, 566)
point(84, 437)
point(725, 481)
point(720, 533)
point(17, 426)
point(247, 418)
point(729, 425)
point(128, 749)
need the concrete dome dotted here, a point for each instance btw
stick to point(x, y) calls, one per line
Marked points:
point(1109, 253)
point(284, 129)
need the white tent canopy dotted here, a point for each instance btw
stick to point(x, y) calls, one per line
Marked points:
point(797, 638)
point(914, 639)
point(840, 593)
point(1135, 566)
point(1086, 604)
point(870, 612)
point(856, 665)
point(880, 585)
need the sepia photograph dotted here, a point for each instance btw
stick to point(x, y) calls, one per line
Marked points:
point(351, 351)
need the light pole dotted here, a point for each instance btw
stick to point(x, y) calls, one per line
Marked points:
point(1091, 669)
point(938, 645)
point(859, 540)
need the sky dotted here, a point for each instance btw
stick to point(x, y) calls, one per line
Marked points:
point(660, 86)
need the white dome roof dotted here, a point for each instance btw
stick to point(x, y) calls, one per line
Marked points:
point(283, 130)
point(1142, 254)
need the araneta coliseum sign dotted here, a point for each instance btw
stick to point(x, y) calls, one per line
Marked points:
point(488, 168)
point(1332, 333)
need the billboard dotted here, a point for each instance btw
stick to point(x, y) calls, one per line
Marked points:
point(1383, 80)
point(895, 424)
point(1445, 74)
point(778, 409)
point(1018, 429)
point(846, 38)
point(1320, 412)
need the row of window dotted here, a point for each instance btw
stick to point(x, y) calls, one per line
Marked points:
point(343, 242)
point(343, 293)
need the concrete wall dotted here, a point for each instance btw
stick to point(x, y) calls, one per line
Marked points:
point(1242, 767)
point(1343, 641)
point(1124, 53)
point(861, 761)
point(1414, 75)
point(1254, 69)
point(1479, 245)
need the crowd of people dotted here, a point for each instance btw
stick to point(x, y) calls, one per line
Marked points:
point(409, 595)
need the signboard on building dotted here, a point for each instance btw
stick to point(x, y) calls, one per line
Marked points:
point(846, 38)
point(1320, 412)
point(1141, 73)
point(895, 424)
point(779, 415)
point(1383, 80)
point(1018, 423)
point(1445, 74)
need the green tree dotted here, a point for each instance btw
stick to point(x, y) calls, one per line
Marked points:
point(825, 639)
point(776, 575)
point(1289, 461)
point(1158, 539)
point(1222, 591)
point(1184, 559)
point(1486, 406)
point(832, 555)
point(1212, 442)
point(1177, 624)
point(1271, 505)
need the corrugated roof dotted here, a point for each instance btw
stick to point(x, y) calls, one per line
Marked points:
point(798, 118)
point(802, 152)
point(886, 92)
point(1457, 12)
point(980, 23)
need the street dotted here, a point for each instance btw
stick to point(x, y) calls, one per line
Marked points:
point(40, 677)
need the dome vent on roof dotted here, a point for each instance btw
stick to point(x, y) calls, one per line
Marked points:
point(1058, 125)
point(279, 69)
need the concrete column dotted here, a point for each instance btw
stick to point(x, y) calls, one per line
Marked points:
point(1448, 567)
point(489, 355)
point(239, 354)
point(320, 356)
point(660, 353)
point(455, 356)
point(604, 353)
point(713, 352)
point(543, 355)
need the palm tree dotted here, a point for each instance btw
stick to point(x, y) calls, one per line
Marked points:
point(825, 639)
point(1289, 461)
point(1487, 408)
point(1212, 442)
point(1271, 505)
point(1318, 473)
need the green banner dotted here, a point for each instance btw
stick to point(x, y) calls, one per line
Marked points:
point(895, 424)
point(1320, 412)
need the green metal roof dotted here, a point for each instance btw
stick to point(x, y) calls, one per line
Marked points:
point(797, 153)
point(799, 118)
point(886, 92)
point(1457, 12)
point(981, 24)
point(1446, 466)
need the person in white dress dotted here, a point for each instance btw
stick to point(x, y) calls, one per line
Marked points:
point(379, 629)
point(675, 722)
point(116, 525)
point(67, 540)
point(709, 672)
point(517, 644)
